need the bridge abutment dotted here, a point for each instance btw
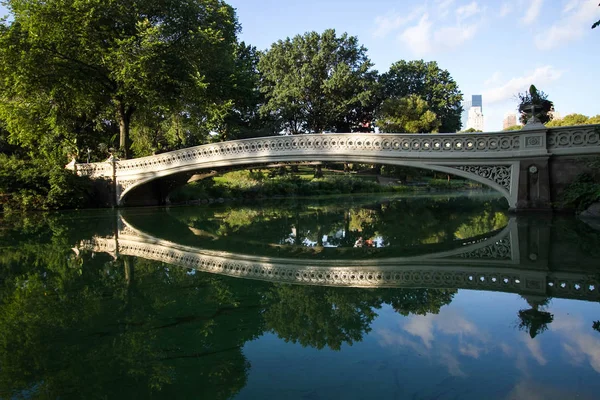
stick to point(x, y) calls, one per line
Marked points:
point(533, 188)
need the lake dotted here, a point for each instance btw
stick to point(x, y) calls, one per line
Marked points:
point(426, 296)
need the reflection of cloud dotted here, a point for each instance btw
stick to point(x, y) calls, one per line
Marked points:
point(506, 349)
point(534, 348)
point(450, 322)
point(577, 343)
point(471, 350)
point(530, 390)
point(388, 338)
point(421, 326)
point(450, 362)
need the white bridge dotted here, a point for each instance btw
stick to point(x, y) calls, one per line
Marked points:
point(529, 167)
point(515, 259)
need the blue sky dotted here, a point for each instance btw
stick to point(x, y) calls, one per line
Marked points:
point(496, 48)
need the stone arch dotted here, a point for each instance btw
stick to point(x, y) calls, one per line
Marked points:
point(497, 175)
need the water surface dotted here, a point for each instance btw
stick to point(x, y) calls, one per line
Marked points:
point(429, 297)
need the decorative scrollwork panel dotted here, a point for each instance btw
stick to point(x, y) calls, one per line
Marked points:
point(499, 174)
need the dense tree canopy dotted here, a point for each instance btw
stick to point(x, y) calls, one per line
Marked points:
point(574, 119)
point(318, 82)
point(410, 114)
point(432, 84)
point(75, 67)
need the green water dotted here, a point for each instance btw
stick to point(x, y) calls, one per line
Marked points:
point(422, 297)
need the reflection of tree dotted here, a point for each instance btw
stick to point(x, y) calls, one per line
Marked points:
point(317, 316)
point(533, 320)
point(488, 221)
point(72, 326)
point(320, 316)
point(401, 223)
point(421, 301)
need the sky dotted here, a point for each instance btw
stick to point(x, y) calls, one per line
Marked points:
point(496, 48)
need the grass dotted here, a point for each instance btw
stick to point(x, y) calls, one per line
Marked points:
point(267, 184)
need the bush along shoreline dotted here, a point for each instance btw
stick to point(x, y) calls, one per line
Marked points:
point(242, 185)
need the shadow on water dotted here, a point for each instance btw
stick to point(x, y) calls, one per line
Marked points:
point(149, 303)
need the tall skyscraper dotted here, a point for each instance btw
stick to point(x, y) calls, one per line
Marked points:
point(510, 119)
point(475, 113)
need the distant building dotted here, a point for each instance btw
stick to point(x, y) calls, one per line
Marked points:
point(475, 119)
point(555, 115)
point(510, 119)
point(472, 116)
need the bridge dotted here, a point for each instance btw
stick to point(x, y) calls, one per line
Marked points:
point(530, 168)
point(515, 259)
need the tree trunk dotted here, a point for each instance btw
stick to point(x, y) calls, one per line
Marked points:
point(318, 171)
point(124, 120)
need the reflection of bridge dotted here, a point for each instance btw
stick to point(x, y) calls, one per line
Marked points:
point(511, 260)
point(528, 167)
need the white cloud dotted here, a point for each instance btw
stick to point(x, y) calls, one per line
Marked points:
point(443, 7)
point(575, 22)
point(539, 77)
point(425, 29)
point(421, 39)
point(532, 12)
point(418, 38)
point(494, 79)
point(505, 10)
point(467, 11)
point(570, 5)
point(387, 24)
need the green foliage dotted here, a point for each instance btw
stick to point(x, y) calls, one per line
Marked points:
point(515, 127)
point(317, 82)
point(409, 114)
point(37, 185)
point(471, 130)
point(535, 102)
point(104, 62)
point(582, 193)
point(574, 119)
point(434, 85)
point(243, 184)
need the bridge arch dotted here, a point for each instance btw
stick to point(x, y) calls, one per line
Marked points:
point(516, 164)
point(497, 177)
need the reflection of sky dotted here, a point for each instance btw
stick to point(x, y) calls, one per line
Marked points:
point(472, 349)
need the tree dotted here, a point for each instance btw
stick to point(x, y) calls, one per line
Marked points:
point(409, 114)
point(318, 82)
point(597, 23)
point(432, 84)
point(513, 128)
point(574, 119)
point(471, 130)
point(106, 61)
point(244, 119)
point(535, 104)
